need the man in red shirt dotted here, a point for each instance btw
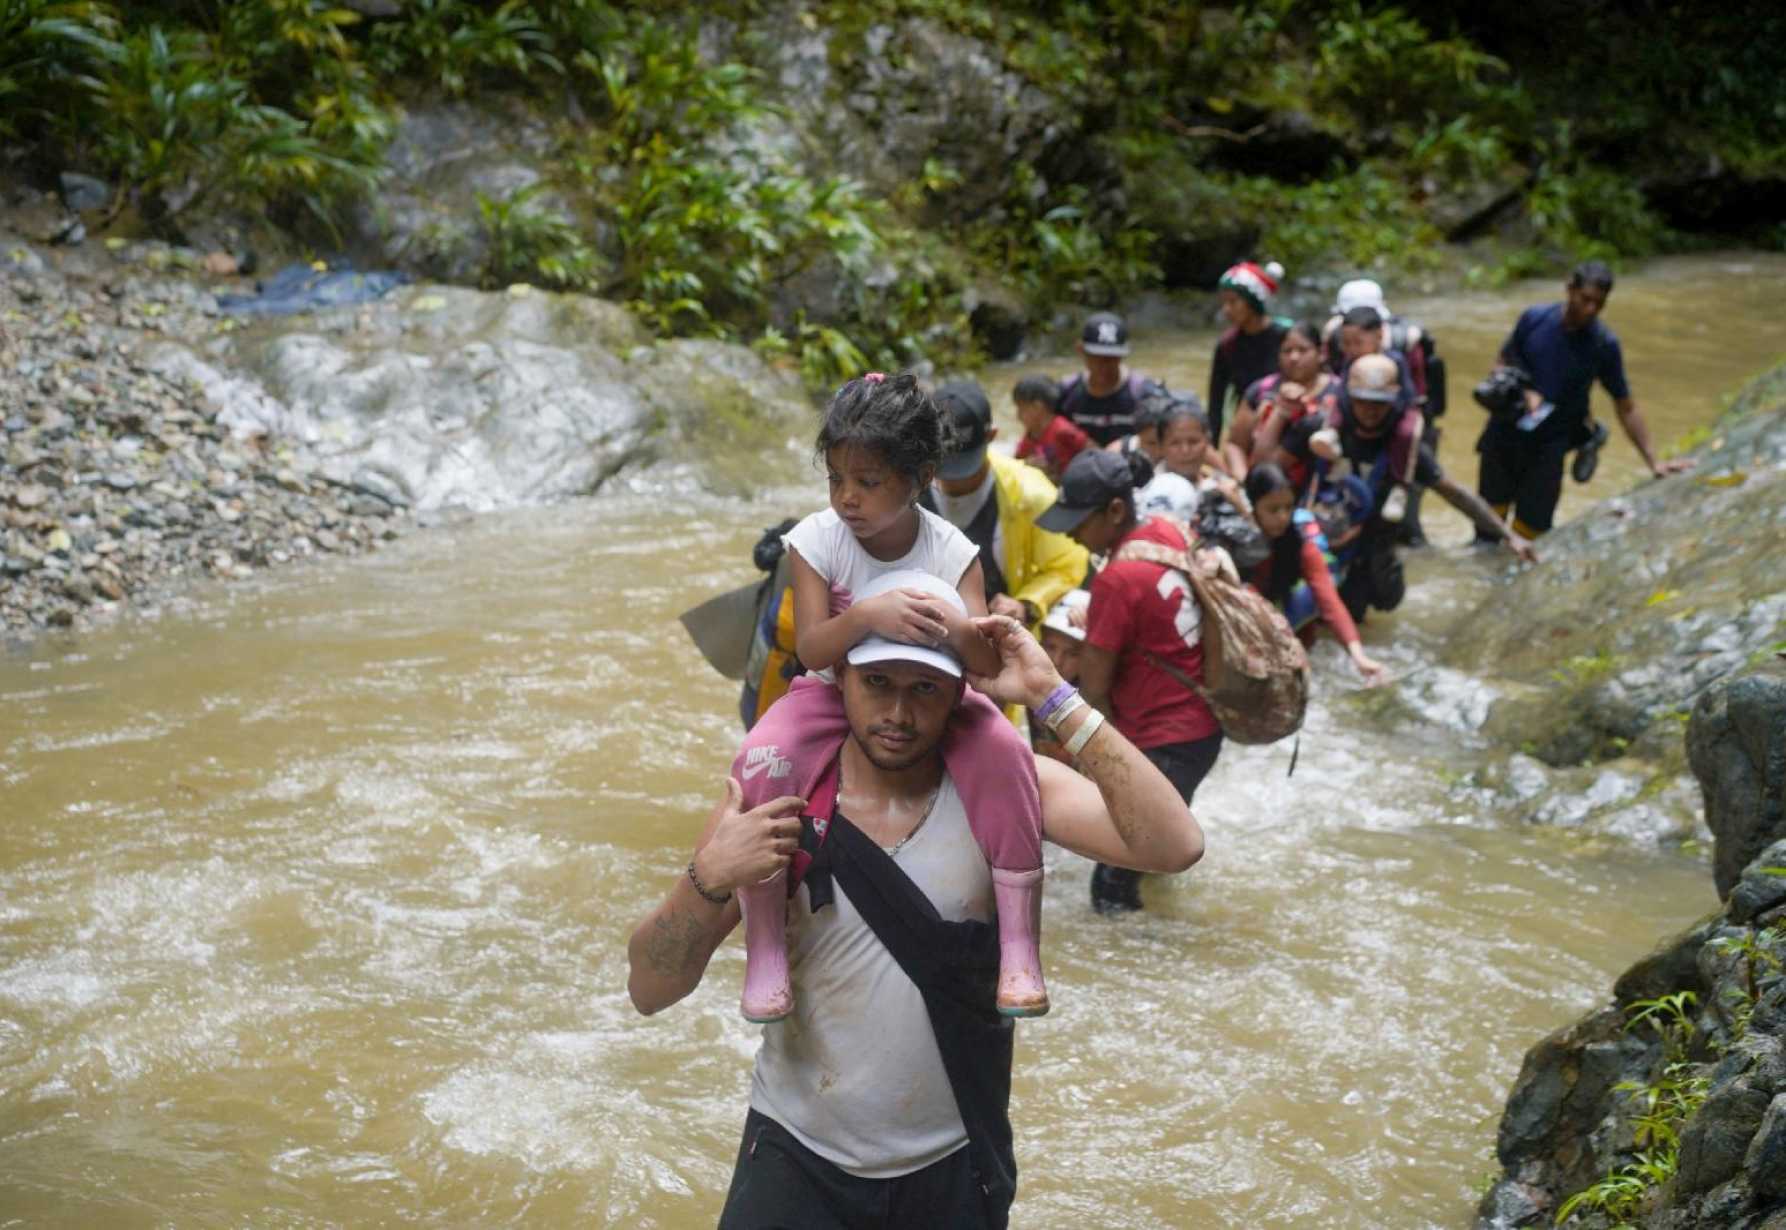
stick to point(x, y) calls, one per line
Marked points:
point(1143, 637)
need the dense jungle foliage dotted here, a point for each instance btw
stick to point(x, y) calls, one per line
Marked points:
point(1327, 133)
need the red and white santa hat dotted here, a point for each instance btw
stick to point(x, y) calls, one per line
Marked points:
point(1254, 283)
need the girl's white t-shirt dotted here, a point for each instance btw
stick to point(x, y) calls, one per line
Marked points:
point(829, 549)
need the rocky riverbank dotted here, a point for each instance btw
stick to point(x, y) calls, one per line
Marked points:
point(151, 439)
point(1579, 675)
point(117, 482)
point(1666, 1107)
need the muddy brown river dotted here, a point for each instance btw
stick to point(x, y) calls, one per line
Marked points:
point(314, 890)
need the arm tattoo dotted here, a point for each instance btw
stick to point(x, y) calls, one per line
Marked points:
point(674, 946)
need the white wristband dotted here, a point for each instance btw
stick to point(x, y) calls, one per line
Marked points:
point(1087, 729)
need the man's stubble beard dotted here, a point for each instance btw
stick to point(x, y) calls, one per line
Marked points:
point(896, 764)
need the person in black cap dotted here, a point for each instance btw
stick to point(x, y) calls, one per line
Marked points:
point(995, 501)
point(1142, 662)
point(1102, 398)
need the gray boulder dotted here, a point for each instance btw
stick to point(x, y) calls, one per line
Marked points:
point(1714, 1143)
point(1558, 1095)
point(911, 92)
point(1736, 743)
point(81, 192)
point(1762, 886)
point(1765, 1161)
point(424, 216)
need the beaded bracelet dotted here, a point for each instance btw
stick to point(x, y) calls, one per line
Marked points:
point(1089, 727)
point(1056, 699)
point(702, 888)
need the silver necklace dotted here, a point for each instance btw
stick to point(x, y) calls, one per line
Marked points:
point(929, 807)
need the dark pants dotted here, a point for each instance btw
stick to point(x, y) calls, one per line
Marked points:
point(1523, 474)
point(1185, 766)
point(1375, 577)
point(1410, 532)
point(780, 1184)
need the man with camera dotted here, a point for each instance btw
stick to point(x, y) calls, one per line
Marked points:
point(1560, 350)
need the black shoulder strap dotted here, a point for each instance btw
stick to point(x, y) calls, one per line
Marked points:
point(955, 967)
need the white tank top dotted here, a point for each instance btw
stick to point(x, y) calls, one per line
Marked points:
point(855, 1073)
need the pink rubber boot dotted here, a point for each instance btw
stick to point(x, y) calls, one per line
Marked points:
point(768, 995)
point(1020, 988)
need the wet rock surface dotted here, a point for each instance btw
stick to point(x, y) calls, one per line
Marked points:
point(1624, 635)
point(1576, 1114)
point(444, 156)
point(1644, 602)
point(915, 92)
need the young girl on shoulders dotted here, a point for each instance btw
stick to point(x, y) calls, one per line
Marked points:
point(881, 442)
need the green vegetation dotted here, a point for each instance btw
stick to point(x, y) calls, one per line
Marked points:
point(1584, 670)
point(671, 199)
point(533, 245)
point(1759, 951)
point(1662, 1109)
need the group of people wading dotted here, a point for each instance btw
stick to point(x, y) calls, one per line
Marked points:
point(968, 653)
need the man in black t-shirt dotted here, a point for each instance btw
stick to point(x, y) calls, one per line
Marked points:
point(1102, 399)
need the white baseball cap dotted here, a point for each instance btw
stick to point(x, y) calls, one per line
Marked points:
point(878, 648)
point(1360, 292)
point(1060, 615)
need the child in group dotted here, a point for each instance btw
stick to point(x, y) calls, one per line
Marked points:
point(1273, 405)
point(1063, 640)
point(1298, 575)
point(1166, 494)
point(1150, 414)
point(1361, 336)
point(882, 440)
point(1050, 438)
point(1189, 451)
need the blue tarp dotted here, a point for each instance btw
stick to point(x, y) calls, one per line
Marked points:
point(300, 288)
